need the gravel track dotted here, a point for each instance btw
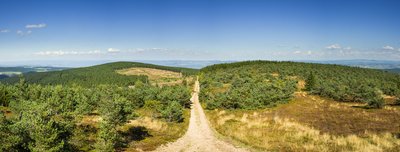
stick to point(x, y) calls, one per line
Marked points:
point(199, 136)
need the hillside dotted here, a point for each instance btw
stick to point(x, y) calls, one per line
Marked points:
point(342, 83)
point(395, 70)
point(6, 72)
point(23, 69)
point(290, 106)
point(93, 117)
point(94, 75)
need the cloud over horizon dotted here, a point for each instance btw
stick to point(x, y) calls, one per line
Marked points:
point(387, 47)
point(4, 30)
point(333, 47)
point(31, 26)
point(61, 53)
point(113, 50)
point(22, 33)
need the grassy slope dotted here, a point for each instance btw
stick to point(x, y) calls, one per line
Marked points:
point(94, 75)
point(149, 133)
point(311, 123)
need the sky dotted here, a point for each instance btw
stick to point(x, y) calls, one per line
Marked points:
point(74, 30)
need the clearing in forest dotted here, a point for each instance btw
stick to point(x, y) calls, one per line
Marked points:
point(156, 76)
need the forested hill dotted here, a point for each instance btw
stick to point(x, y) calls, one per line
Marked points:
point(395, 70)
point(95, 75)
point(251, 79)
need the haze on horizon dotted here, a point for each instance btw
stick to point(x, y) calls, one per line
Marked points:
point(198, 30)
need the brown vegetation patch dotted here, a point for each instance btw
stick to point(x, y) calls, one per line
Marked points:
point(150, 133)
point(6, 111)
point(301, 84)
point(153, 74)
point(157, 76)
point(91, 120)
point(340, 118)
point(311, 123)
point(275, 74)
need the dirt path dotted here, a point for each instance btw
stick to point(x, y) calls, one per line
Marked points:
point(199, 136)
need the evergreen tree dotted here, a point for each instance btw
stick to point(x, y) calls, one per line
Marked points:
point(10, 141)
point(375, 99)
point(107, 138)
point(173, 112)
point(5, 96)
point(310, 82)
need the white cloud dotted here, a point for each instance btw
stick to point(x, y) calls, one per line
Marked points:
point(297, 52)
point(144, 50)
point(387, 47)
point(347, 48)
point(112, 50)
point(61, 53)
point(22, 33)
point(309, 52)
point(4, 31)
point(334, 46)
point(30, 26)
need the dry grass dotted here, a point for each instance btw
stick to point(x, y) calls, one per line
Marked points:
point(158, 131)
point(92, 120)
point(143, 134)
point(7, 111)
point(311, 123)
point(156, 76)
point(153, 74)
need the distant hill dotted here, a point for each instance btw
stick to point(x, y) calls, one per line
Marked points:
point(395, 70)
point(94, 75)
point(6, 72)
point(3, 76)
point(373, 64)
point(25, 69)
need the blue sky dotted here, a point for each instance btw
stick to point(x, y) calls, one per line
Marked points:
point(199, 30)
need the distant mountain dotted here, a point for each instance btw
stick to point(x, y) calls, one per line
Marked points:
point(2, 76)
point(25, 69)
point(395, 70)
point(195, 64)
point(374, 64)
point(6, 72)
point(198, 64)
